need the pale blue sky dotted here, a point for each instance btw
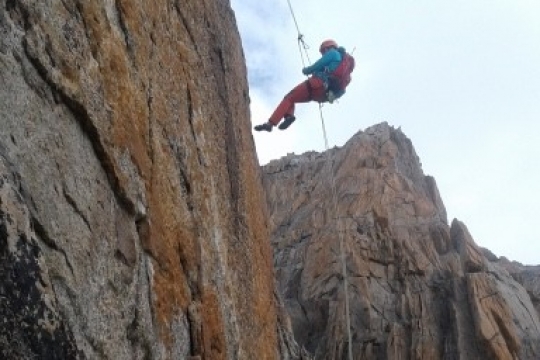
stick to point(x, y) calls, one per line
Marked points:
point(461, 78)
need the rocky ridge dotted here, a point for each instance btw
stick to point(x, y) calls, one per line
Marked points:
point(419, 288)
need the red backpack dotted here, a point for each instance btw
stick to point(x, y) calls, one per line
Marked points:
point(341, 77)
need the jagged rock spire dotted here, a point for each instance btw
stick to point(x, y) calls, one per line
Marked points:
point(419, 287)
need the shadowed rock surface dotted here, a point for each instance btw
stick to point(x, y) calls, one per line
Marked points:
point(419, 288)
point(132, 221)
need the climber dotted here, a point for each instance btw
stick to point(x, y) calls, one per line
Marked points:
point(316, 88)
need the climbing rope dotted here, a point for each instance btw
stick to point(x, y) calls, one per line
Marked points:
point(301, 43)
point(303, 46)
point(341, 241)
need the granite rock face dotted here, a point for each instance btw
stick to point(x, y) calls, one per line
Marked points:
point(527, 276)
point(418, 287)
point(132, 218)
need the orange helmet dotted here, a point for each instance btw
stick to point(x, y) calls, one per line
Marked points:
point(327, 44)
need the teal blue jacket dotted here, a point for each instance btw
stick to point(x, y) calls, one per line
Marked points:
point(325, 65)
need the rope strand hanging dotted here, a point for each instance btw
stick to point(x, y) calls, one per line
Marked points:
point(343, 259)
point(303, 45)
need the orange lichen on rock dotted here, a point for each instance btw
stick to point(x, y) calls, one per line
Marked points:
point(150, 185)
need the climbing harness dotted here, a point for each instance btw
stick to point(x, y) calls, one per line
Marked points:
point(305, 47)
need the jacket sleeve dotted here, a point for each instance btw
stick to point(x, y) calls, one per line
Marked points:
point(328, 58)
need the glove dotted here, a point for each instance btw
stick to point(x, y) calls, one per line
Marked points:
point(305, 71)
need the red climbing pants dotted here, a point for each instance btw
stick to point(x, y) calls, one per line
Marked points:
point(310, 90)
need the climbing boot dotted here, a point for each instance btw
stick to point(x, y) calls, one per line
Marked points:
point(289, 119)
point(266, 127)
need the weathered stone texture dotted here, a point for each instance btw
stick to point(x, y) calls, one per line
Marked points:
point(142, 231)
point(30, 322)
point(527, 276)
point(419, 288)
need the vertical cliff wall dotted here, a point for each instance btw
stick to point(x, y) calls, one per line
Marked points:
point(131, 217)
point(419, 288)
